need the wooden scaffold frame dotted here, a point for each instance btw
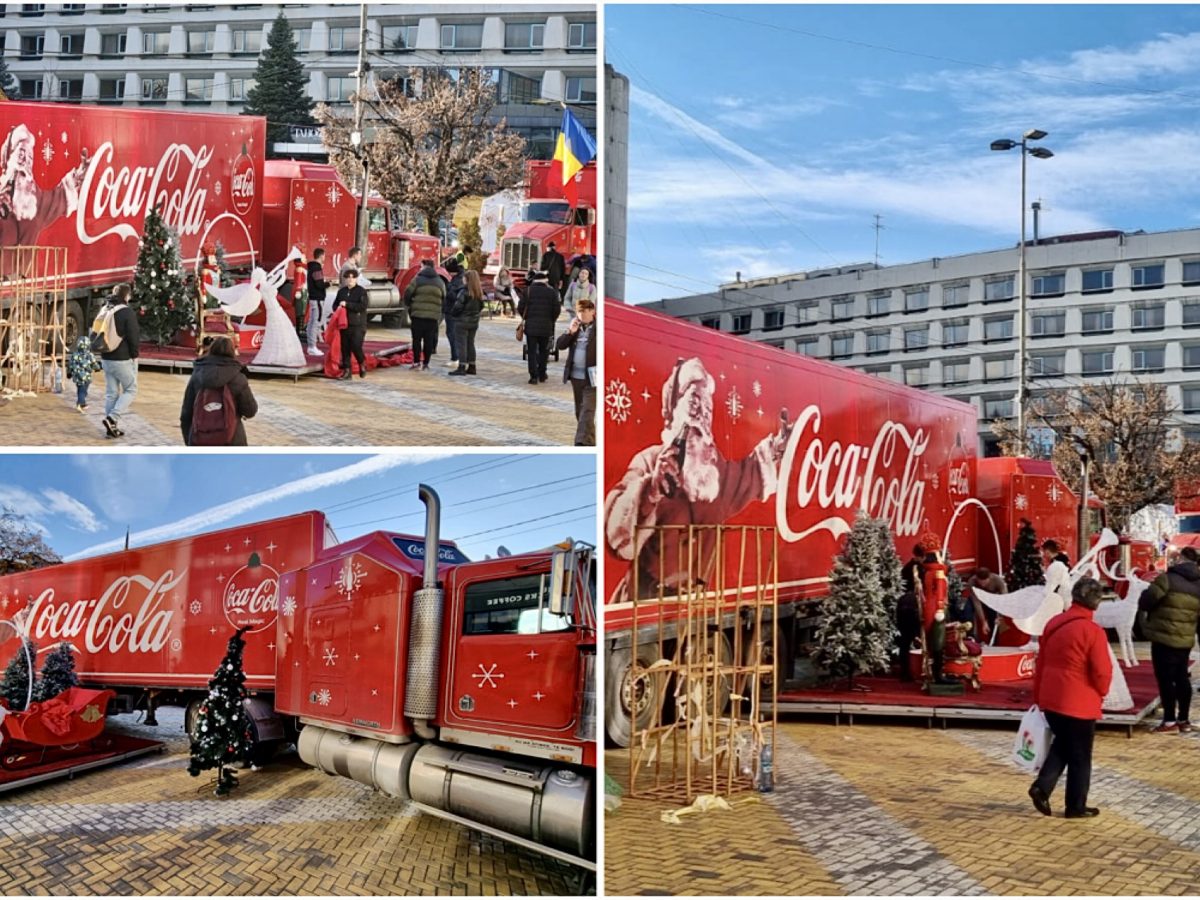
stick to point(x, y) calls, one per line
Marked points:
point(33, 319)
point(708, 740)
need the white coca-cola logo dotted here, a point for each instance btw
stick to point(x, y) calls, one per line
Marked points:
point(110, 623)
point(252, 597)
point(847, 477)
point(242, 191)
point(173, 185)
point(960, 480)
point(1026, 665)
point(256, 339)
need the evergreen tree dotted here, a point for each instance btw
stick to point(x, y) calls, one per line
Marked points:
point(469, 236)
point(891, 583)
point(8, 84)
point(162, 301)
point(1025, 566)
point(58, 674)
point(280, 89)
point(855, 632)
point(14, 689)
point(221, 734)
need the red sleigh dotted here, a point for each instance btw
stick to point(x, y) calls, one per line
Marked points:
point(64, 725)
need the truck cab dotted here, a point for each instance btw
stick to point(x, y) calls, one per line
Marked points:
point(550, 214)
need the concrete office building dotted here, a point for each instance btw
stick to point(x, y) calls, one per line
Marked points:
point(203, 56)
point(616, 180)
point(1101, 305)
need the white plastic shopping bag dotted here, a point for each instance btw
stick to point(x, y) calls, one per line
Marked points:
point(1032, 742)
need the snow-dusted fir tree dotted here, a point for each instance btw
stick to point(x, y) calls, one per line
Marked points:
point(1025, 567)
point(14, 687)
point(58, 673)
point(891, 583)
point(855, 633)
point(159, 295)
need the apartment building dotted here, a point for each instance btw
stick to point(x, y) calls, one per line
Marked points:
point(1100, 305)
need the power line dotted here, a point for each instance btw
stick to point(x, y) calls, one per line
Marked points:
point(555, 515)
point(466, 472)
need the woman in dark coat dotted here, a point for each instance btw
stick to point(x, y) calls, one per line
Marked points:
point(218, 368)
point(466, 313)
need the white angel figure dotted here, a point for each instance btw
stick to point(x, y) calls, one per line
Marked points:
point(281, 345)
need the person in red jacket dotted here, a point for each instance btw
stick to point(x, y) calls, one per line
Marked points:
point(1073, 673)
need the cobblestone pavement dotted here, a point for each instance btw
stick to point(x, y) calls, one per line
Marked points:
point(901, 810)
point(146, 827)
point(390, 407)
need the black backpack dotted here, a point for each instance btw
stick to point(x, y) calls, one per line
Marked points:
point(214, 418)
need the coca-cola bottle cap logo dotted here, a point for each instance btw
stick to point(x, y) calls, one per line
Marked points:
point(251, 597)
point(242, 184)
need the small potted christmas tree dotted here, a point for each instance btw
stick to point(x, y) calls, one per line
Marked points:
point(1025, 567)
point(221, 735)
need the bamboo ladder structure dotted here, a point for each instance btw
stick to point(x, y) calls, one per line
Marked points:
point(724, 576)
point(33, 318)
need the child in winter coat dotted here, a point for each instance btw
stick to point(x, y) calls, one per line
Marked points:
point(81, 363)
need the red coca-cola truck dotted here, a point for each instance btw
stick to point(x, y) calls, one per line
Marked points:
point(465, 687)
point(703, 428)
point(84, 178)
point(550, 213)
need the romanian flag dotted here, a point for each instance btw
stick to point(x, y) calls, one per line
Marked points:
point(575, 148)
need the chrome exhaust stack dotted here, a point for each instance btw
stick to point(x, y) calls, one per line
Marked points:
point(425, 632)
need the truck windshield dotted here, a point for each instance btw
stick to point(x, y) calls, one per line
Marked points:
point(511, 606)
point(555, 212)
point(1189, 524)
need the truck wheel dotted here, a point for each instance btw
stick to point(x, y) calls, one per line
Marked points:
point(776, 654)
point(75, 323)
point(624, 698)
point(724, 688)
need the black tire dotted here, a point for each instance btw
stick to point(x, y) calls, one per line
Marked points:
point(725, 688)
point(76, 324)
point(624, 699)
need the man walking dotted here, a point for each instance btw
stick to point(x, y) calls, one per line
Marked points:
point(424, 298)
point(555, 268)
point(120, 362)
point(354, 297)
point(540, 308)
point(1172, 605)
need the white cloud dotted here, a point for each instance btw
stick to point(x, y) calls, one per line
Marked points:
point(111, 476)
point(35, 509)
point(208, 519)
point(75, 510)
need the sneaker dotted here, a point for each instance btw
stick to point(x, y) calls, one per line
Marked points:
point(533, 381)
point(1185, 727)
point(1165, 728)
point(110, 427)
point(80, 407)
point(452, 364)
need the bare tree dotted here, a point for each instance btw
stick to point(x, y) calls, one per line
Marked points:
point(432, 145)
point(1127, 431)
point(21, 545)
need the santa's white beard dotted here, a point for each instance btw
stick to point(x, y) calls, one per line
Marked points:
point(24, 197)
point(701, 477)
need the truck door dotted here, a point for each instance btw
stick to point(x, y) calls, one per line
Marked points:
point(512, 662)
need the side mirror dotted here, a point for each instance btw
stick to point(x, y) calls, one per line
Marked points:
point(562, 570)
point(591, 217)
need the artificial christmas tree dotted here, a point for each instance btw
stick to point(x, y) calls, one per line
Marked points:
point(14, 689)
point(1025, 567)
point(221, 734)
point(891, 582)
point(855, 633)
point(58, 674)
point(163, 304)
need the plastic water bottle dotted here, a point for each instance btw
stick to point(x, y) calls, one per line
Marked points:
point(58, 381)
point(766, 770)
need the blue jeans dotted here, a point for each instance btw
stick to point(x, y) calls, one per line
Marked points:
point(120, 385)
point(450, 337)
point(81, 393)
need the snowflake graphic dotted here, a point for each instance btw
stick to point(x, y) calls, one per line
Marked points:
point(487, 677)
point(330, 656)
point(47, 151)
point(618, 401)
point(195, 607)
point(324, 697)
point(350, 578)
point(333, 195)
point(63, 137)
point(1054, 493)
point(217, 187)
point(298, 204)
point(733, 403)
point(935, 480)
point(288, 606)
point(323, 239)
point(756, 388)
point(1021, 501)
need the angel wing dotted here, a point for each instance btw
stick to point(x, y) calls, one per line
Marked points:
point(241, 299)
point(278, 275)
point(1018, 605)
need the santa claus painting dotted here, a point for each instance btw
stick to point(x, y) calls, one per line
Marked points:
point(25, 208)
point(685, 479)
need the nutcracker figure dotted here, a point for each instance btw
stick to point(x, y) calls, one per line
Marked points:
point(211, 317)
point(934, 595)
point(300, 296)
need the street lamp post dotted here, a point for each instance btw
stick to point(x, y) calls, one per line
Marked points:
point(1034, 134)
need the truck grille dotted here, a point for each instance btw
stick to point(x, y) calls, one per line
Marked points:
point(521, 254)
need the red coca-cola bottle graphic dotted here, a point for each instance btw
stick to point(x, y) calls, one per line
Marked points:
point(241, 183)
point(252, 595)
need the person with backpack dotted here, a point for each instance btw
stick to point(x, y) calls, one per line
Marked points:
point(466, 313)
point(115, 336)
point(81, 363)
point(454, 290)
point(217, 399)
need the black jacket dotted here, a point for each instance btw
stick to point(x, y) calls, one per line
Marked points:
point(456, 287)
point(540, 308)
point(216, 372)
point(355, 300)
point(566, 341)
point(127, 327)
point(316, 281)
point(555, 268)
point(468, 316)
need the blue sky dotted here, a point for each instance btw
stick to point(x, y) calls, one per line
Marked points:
point(765, 138)
point(82, 504)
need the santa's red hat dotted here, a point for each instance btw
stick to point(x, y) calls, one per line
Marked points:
point(686, 373)
point(19, 135)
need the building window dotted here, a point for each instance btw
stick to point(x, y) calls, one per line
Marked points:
point(112, 8)
point(1191, 399)
point(201, 41)
point(956, 372)
point(916, 376)
point(343, 39)
point(807, 312)
point(199, 90)
point(878, 342)
point(73, 9)
point(516, 88)
point(112, 44)
point(1097, 281)
point(1149, 359)
point(1049, 324)
point(398, 38)
point(955, 295)
point(772, 320)
point(581, 90)
point(1097, 321)
point(70, 89)
point(1047, 365)
point(916, 300)
point(249, 40)
point(878, 304)
point(303, 37)
point(879, 371)
point(240, 87)
point(713, 322)
point(1191, 271)
point(112, 90)
point(807, 347)
point(1149, 318)
point(463, 37)
point(997, 408)
point(841, 346)
point(1191, 356)
point(154, 89)
point(581, 36)
point(156, 43)
point(998, 330)
point(71, 45)
point(33, 9)
point(741, 323)
point(1052, 284)
point(339, 90)
point(31, 89)
point(524, 35)
point(32, 46)
point(841, 309)
point(1149, 275)
point(1097, 362)
point(997, 289)
point(999, 369)
point(916, 338)
point(954, 332)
